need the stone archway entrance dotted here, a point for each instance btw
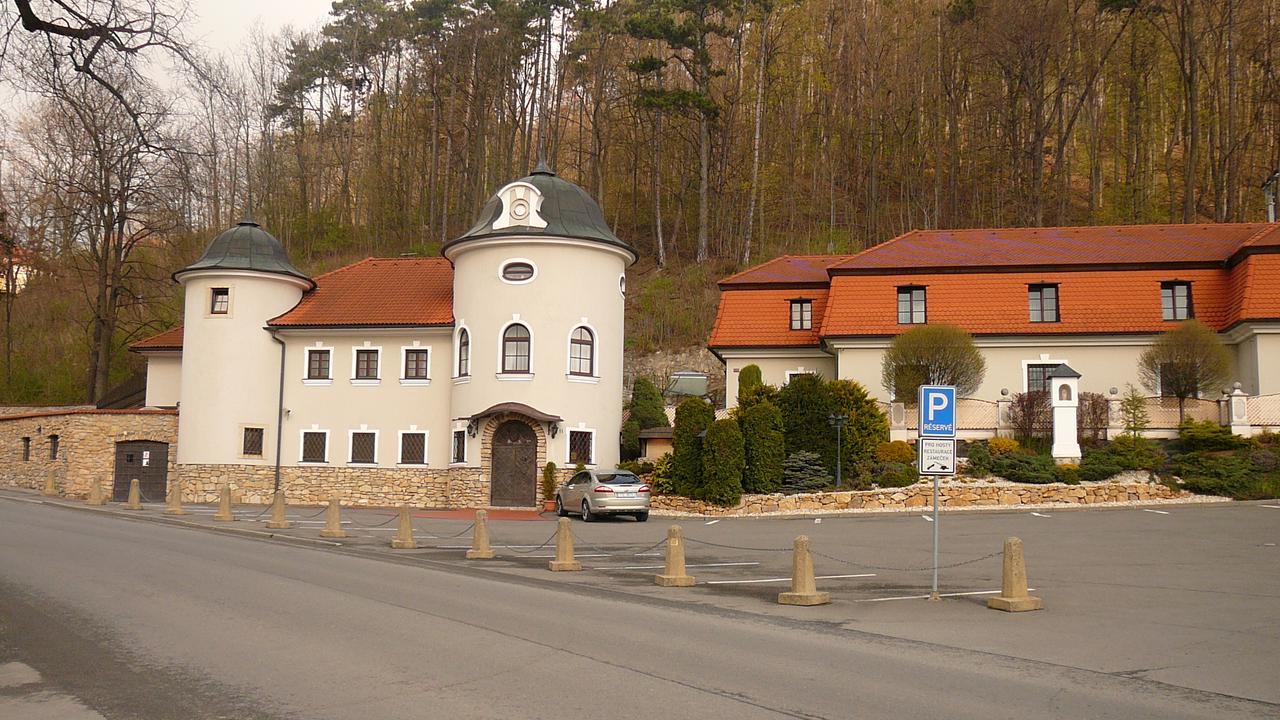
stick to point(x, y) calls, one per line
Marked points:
point(514, 473)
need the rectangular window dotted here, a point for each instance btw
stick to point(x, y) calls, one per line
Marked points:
point(1043, 303)
point(415, 364)
point(366, 364)
point(54, 441)
point(363, 447)
point(252, 446)
point(911, 305)
point(26, 449)
point(317, 364)
point(220, 301)
point(1167, 374)
point(1175, 300)
point(1038, 377)
point(580, 446)
point(315, 447)
point(413, 448)
point(801, 314)
point(459, 446)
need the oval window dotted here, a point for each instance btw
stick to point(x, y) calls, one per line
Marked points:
point(622, 284)
point(517, 272)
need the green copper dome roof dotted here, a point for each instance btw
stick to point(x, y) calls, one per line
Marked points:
point(246, 247)
point(567, 209)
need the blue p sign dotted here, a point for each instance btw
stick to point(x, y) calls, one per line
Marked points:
point(937, 411)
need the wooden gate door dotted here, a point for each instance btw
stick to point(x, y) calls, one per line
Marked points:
point(513, 479)
point(147, 461)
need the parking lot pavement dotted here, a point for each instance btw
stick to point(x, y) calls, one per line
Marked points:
point(1186, 596)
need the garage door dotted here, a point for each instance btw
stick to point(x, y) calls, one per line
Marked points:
point(146, 461)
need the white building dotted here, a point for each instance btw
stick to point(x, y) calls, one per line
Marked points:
point(441, 381)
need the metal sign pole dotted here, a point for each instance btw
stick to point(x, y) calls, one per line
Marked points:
point(934, 597)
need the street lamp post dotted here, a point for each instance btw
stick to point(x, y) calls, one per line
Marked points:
point(838, 421)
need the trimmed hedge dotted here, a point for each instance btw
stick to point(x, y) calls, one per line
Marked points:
point(765, 447)
point(693, 416)
point(723, 460)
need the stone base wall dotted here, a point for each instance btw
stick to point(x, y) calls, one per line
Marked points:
point(86, 446)
point(921, 495)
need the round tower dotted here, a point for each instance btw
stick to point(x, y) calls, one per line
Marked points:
point(230, 364)
point(539, 296)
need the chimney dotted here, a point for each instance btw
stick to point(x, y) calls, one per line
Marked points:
point(1269, 190)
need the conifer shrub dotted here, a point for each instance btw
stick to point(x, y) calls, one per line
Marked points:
point(660, 480)
point(1003, 446)
point(723, 460)
point(630, 439)
point(1207, 436)
point(647, 406)
point(803, 472)
point(895, 474)
point(749, 378)
point(765, 447)
point(693, 417)
point(979, 461)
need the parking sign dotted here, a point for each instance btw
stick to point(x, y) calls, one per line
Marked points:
point(937, 411)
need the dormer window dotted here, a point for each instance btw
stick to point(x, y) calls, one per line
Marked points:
point(802, 314)
point(1042, 300)
point(1175, 300)
point(911, 307)
point(220, 301)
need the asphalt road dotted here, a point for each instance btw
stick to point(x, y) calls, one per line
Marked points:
point(137, 619)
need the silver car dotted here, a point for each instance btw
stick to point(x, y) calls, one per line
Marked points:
point(592, 493)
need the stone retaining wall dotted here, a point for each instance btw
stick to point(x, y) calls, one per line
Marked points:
point(86, 445)
point(920, 495)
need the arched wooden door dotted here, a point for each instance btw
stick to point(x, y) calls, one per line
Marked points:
point(513, 478)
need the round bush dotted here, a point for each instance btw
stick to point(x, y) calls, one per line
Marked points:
point(898, 451)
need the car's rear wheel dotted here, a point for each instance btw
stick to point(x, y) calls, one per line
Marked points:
point(586, 512)
point(642, 516)
point(560, 511)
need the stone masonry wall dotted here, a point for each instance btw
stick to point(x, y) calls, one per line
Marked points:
point(418, 487)
point(86, 446)
point(921, 495)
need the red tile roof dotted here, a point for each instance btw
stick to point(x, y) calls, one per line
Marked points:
point(1056, 246)
point(377, 292)
point(762, 318)
point(789, 269)
point(1109, 282)
point(167, 340)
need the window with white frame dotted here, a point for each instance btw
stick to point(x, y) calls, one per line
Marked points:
point(459, 454)
point(1175, 300)
point(364, 447)
point(464, 353)
point(802, 314)
point(911, 305)
point(581, 447)
point(315, 446)
point(516, 347)
point(417, 364)
point(582, 351)
point(413, 448)
point(318, 364)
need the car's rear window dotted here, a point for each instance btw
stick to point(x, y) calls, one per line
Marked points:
point(617, 478)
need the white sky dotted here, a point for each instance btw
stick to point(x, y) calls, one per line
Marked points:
point(222, 25)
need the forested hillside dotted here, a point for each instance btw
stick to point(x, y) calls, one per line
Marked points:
point(715, 133)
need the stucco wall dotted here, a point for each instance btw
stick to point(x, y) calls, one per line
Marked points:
point(389, 406)
point(1268, 362)
point(774, 368)
point(87, 446)
point(230, 373)
point(577, 283)
point(164, 379)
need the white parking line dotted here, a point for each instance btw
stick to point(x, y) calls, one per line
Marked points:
point(1040, 514)
point(786, 579)
point(926, 597)
point(926, 517)
point(576, 555)
point(1158, 512)
point(649, 554)
point(659, 567)
point(817, 521)
point(711, 522)
point(1273, 507)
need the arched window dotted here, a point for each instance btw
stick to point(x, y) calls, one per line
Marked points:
point(515, 349)
point(464, 353)
point(582, 350)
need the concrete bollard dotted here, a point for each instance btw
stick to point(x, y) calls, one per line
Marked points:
point(804, 590)
point(50, 484)
point(1013, 595)
point(95, 493)
point(480, 549)
point(135, 496)
point(333, 520)
point(278, 520)
point(564, 561)
point(674, 574)
point(224, 513)
point(173, 504)
point(404, 536)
